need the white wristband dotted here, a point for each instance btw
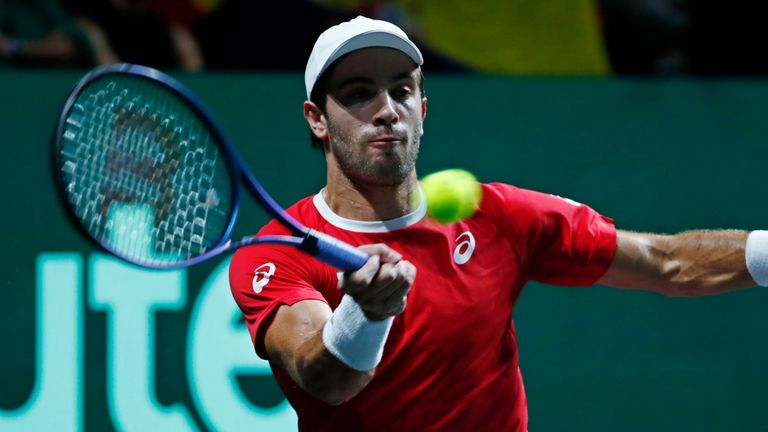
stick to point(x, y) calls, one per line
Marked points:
point(354, 339)
point(757, 256)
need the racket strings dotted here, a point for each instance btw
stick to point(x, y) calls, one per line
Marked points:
point(143, 176)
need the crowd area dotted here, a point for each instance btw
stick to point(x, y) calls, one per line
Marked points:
point(558, 37)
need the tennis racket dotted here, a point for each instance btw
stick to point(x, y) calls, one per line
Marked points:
point(148, 174)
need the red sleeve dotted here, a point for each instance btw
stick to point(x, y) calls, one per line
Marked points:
point(264, 277)
point(563, 242)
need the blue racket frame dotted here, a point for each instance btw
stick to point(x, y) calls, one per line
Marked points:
point(323, 247)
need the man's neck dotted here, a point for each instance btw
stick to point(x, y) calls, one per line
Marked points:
point(370, 202)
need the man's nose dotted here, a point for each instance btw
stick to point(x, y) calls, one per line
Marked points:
point(387, 112)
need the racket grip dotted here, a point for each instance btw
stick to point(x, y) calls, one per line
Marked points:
point(335, 252)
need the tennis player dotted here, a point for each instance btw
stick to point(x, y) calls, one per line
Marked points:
point(421, 337)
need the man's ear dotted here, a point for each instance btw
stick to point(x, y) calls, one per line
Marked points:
point(423, 113)
point(316, 120)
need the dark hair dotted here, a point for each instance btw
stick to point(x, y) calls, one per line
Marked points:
point(319, 93)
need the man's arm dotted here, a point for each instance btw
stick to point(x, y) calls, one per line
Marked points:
point(298, 337)
point(692, 263)
point(294, 341)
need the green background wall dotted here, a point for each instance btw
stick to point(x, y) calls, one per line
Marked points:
point(660, 156)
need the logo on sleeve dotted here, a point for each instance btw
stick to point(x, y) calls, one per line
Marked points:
point(261, 276)
point(463, 251)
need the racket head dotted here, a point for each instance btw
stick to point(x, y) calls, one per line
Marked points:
point(144, 169)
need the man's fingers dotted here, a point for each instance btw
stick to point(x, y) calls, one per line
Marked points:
point(408, 270)
point(381, 286)
point(359, 279)
point(398, 296)
point(386, 253)
point(356, 281)
point(387, 293)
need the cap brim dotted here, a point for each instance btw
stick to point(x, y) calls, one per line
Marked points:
point(375, 38)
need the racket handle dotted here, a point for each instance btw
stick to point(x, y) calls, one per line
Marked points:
point(335, 252)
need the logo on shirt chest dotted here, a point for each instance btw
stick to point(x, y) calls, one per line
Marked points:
point(261, 276)
point(464, 249)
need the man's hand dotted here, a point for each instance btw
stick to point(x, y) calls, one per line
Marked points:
point(382, 285)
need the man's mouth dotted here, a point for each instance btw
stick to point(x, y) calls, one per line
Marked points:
point(384, 141)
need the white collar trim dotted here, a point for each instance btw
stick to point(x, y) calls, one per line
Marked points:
point(370, 226)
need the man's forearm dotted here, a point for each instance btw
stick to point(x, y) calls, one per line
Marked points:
point(691, 263)
point(321, 374)
point(707, 262)
point(294, 342)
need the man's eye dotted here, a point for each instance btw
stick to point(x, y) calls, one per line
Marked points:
point(358, 95)
point(401, 93)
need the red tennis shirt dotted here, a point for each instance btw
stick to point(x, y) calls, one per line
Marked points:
point(451, 361)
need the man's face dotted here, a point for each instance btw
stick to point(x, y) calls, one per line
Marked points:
point(374, 113)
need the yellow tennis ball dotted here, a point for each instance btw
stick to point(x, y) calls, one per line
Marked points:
point(452, 195)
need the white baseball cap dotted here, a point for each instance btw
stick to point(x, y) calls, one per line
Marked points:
point(352, 35)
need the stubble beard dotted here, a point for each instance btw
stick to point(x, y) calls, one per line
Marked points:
point(392, 168)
